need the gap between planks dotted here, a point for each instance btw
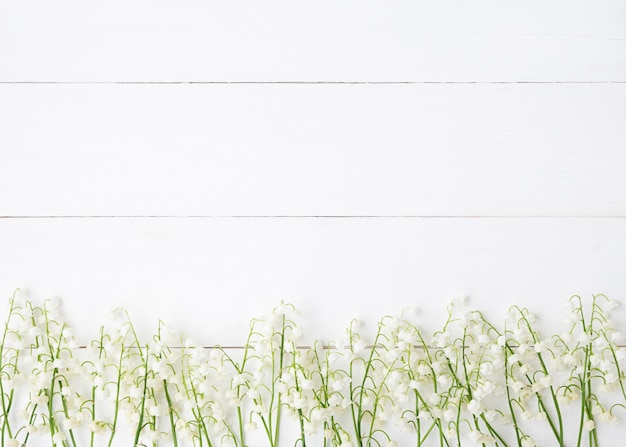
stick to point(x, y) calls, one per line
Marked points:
point(320, 216)
point(302, 82)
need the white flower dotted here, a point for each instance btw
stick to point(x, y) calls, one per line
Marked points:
point(536, 387)
point(611, 305)
point(584, 338)
point(449, 414)
point(505, 419)
point(41, 400)
point(568, 396)
point(522, 348)
point(607, 418)
point(487, 387)
point(96, 427)
point(337, 385)
point(459, 301)
point(517, 386)
point(157, 410)
point(423, 369)
point(483, 339)
point(595, 360)
point(436, 412)
point(569, 359)
point(589, 425)
point(253, 394)
point(486, 368)
point(490, 415)
point(474, 406)
point(450, 433)
point(297, 332)
point(479, 438)
point(525, 393)
point(611, 379)
point(251, 426)
point(440, 340)
point(259, 409)
point(546, 381)
point(299, 403)
point(58, 437)
point(150, 436)
point(433, 399)
point(306, 384)
point(71, 423)
point(34, 331)
point(444, 381)
point(135, 392)
point(239, 379)
point(359, 347)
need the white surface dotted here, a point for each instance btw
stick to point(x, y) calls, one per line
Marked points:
point(78, 146)
point(209, 277)
point(313, 150)
point(320, 40)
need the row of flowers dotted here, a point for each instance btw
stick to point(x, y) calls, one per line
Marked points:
point(473, 382)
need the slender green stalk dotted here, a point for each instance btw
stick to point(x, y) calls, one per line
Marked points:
point(170, 412)
point(143, 400)
point(117, 396)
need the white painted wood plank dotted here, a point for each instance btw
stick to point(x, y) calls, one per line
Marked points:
point(208, 277)
point(321, 40)
point(312, 150)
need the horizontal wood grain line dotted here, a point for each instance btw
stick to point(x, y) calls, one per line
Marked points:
point(284, 216)
point(302, 347)
point(304, 82)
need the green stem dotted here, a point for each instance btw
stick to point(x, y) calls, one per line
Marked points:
point(143, 399)
point(508, 396)
point(170, 411)
point(117, 397)
point(582, 413)
point(6, 426)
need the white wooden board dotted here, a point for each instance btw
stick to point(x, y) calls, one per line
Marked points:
point(321, 40)
point(313, 150)
point(209, 277)
point(472, 147)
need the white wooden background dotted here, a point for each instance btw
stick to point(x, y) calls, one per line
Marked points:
point(199, 161)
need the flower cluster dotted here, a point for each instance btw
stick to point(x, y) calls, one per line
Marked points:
point(471, 383)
